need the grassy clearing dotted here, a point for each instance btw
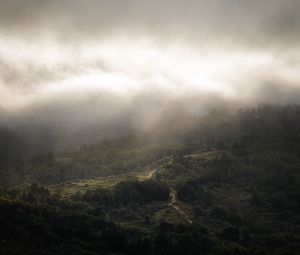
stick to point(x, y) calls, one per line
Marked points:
point(69, 188)
point(168, 214)
point(147, 217)
point(208, 155)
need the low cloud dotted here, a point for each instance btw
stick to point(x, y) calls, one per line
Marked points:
point(76, 70)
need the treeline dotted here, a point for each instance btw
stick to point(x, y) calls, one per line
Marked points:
point(127, 193)
point(247, 188)
point(269, 126)
point(255, 203)
point(107, 158)
point(34, 221)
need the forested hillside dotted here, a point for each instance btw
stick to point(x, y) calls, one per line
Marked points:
point(226, 183)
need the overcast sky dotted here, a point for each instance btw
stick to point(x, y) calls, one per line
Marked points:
point(76, 60)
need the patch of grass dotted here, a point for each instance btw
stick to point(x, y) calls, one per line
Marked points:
point(67, 189)
point(207, 155)
point(168, 214)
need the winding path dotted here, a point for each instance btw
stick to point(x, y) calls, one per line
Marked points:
point(151, 173)
point(174, 205)
point(173, 198)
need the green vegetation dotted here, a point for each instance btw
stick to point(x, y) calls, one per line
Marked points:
point(229, 185)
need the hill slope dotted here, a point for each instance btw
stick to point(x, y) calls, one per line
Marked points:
point(229, 184)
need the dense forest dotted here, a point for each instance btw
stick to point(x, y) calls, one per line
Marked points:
point(224, 184)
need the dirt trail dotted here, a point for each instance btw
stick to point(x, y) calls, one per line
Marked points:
point(173, 196)
point(152, 173)
point(173, 204)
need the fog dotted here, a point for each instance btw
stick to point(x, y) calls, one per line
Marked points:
point(74, 72)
